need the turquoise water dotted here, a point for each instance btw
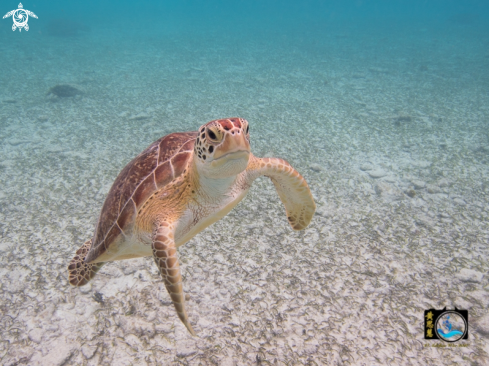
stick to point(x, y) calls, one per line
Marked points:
point(382, 106)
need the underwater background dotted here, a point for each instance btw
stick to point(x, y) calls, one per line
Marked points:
point(383, 106)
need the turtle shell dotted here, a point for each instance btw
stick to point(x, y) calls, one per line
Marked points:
point(162, 162)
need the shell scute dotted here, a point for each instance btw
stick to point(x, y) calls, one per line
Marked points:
point(145, 190)
point(189, 146)
point(163, 174)
point(113, 233)
point(179, 162)
point(127, 215)
point(126, 182)
point(173, 143)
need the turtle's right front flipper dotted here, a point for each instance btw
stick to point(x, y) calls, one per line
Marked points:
point(165, 255)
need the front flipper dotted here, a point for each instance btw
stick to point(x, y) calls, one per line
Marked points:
point(165, 255)
point(291, 187)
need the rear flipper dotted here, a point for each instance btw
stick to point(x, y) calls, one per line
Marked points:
point(80, 272)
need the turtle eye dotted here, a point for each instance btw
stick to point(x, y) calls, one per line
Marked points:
point(247, 128)
point(211, 135)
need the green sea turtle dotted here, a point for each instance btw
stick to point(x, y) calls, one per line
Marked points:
point(178, 186)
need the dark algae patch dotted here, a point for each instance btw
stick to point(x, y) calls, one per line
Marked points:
point(64, 91)
point(402, 119)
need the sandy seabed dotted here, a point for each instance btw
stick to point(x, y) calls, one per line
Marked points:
point(392, 139)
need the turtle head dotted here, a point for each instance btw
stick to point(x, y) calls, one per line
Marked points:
point(222, 148)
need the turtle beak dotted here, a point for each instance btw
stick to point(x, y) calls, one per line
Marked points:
point(234, 144)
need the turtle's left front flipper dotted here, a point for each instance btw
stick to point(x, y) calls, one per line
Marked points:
point(291, 187)
point(165, 256)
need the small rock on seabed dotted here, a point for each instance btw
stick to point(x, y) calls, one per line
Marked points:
point(377, 173)
point(470, 275)
point(388, 191)
point(418, 184)
point(139, 117)
point(316, 167)
point(366, 166)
